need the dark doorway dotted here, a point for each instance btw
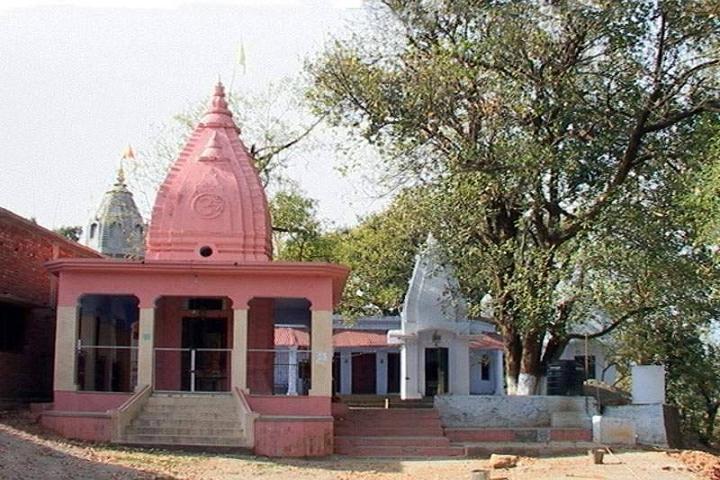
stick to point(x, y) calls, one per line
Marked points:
point(363, 373)
point(336, 373)
point(436, 371)
point(393, 373)
point(206, 340)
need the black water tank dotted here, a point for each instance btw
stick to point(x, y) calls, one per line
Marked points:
point(565, 377)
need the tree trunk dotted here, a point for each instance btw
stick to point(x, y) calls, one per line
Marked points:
point(531, 365)
point(513, 357)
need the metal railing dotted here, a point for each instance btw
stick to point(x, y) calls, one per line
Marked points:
point(192, 369)
point(279, 371)
point(106, 368)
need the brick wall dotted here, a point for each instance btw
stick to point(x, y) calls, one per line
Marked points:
point(24, 249)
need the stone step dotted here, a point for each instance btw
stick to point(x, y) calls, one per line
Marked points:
point(432, 441)
point(378, 431)
point(400, 451)
point(189, 421)
point(570, 420)
point(188, 411)
point(185, 440)
point(520, 435)
point(390, 422)
point(181, 401)
point(191, 431)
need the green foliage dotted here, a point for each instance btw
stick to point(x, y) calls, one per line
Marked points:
point(297, 234)
point(70, 232)
point(552, 136)
point(380, 252)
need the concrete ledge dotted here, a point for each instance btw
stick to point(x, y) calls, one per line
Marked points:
point(292, 418)
point(613, 430)
point(488, 411)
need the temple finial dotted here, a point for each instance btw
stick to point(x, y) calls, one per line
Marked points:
point(120, 176)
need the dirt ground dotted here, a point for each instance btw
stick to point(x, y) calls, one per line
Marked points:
point(28, 452)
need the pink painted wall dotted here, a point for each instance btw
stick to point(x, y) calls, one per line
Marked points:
point(88, 428)
point(282, 405)
point(66, 401)
point(293, 438)
point(261, 335)
point(321, 284)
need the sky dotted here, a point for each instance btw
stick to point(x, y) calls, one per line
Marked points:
point(80, 81)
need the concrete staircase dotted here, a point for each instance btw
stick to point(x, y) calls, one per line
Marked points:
point(393, 432)
point(189, 420)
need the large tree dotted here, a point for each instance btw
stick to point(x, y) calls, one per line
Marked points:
point(544, 128)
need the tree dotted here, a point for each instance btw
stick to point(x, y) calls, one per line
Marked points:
point(70, 232)
point(297, 233)
point(380, 252)
point(541, 126)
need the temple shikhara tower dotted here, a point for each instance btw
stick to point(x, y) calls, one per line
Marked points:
point(138, 340)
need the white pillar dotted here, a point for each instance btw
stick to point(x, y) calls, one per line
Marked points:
point(65, 348)
point(459, 367)
point(146, 343)
point(381, 373)
point(292, 371)
point(238, 359)
point(345, 372)
point(322, 353)
point(499, 373)
point(409, 371)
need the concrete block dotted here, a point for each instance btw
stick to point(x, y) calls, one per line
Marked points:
point(613, 431)
point(648, 384)
point(570, 420)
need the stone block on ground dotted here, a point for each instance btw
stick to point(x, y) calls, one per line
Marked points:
point(503, 461)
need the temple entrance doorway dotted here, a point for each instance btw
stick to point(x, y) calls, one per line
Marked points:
point(436, 371)
point(206, 365)
point(393, 372)
point(364, 374)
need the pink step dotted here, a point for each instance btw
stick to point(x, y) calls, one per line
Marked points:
point(357, 441)
point(571, 435)
point(389, 432)
point(407, 451)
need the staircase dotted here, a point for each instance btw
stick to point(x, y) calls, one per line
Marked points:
point(393, 432)
point(207, 420)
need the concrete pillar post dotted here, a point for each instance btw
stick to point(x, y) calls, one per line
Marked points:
point(322, 353)
point(381, 373)
point(65, 348)
point(239, 350)
point(459, 367)
point(409, 372)
point(146, 344)
point(292, 371)
point(346, 372)
point(499, 373)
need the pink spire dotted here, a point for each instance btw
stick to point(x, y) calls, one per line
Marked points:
point(211, 206)
point(218, 114)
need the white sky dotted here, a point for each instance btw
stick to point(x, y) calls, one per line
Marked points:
point(81, 81)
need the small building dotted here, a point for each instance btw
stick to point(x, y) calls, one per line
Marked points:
point(27, 306)
point(187, 335)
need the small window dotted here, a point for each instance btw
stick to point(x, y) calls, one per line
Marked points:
point(93, 230)
point(580, 363)
point(206, 304)
point(12, 328)
point(485, 367)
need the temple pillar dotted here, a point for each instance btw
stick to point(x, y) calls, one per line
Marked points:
point(409, 372)
point(292, 371)
point(381, 373)
point(345, 372)
point(499, 373)
point(459, 367)
point(322, 353)
point(146, 344)
point(239, 350)
point(66, 329)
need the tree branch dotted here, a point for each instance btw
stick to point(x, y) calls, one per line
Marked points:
point(614, 324)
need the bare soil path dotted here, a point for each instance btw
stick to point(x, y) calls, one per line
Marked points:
point(28, 452)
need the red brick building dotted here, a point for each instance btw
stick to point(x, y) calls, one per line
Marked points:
point(27, 305)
